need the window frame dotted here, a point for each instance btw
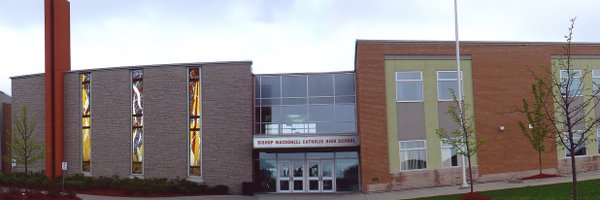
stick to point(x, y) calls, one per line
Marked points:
point(424, 148)
point(581, 87)
point(396, 80)
point(444, 146)
point(595, 87)
point(438, 80)
point(580, 133)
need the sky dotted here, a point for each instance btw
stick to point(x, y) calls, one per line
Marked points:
point(278, 36)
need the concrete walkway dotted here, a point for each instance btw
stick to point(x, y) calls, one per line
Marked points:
point(392, 195)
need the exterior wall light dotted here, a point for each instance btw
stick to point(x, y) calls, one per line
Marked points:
point(501, 128)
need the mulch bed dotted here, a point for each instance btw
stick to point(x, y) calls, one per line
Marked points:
point(540, 176)
point(124, 193)
point(51, 196)
point(474, 196)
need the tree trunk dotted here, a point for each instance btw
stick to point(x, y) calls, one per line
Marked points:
point(574, 173)
point(470, 173)
point(540, 160)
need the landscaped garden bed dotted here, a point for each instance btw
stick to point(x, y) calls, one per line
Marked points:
point(40, 187)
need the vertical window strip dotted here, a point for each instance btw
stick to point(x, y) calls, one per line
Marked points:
point(137, 122)
point(195, 122)
point(86, 123)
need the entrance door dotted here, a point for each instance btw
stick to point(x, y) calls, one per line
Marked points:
point(320, 176)
point(283, 177)
point(298, 175)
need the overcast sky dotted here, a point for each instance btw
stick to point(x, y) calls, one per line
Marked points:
point(277, 35)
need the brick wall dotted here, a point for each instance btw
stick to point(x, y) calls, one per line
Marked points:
point(28, 91)
point(5, 151)
point(500, 81)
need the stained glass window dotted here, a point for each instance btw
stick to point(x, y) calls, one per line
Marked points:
point(137, 125)
point(195, 122)
point(86, 123)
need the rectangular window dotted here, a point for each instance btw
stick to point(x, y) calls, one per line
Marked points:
point(86, 123)
point(596, 80)
point(413, 155)
point(137, 122)
point(447, 81)
point(579, 150)
point(195, 115)
point(449, 155)
point(572, 80)
point(409, 86)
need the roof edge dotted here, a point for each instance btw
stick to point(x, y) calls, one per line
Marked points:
point(366, 41)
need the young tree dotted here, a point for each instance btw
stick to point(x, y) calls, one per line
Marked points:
point(537, 129)
point(569, 110)
point(26, 150)
point(463, 139)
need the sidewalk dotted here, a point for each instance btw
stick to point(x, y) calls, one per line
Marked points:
point(392, 195)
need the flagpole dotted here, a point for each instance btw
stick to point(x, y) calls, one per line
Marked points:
point(460, 91)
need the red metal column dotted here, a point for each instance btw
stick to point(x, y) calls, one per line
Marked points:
point(58, 61)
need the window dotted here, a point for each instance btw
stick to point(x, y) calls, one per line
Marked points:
point(449, 155)
point(447, 80)
point(195, 122)
point(409, 86)
point(137, 122)
point(596, 80)
point(579, 150)
point(305, 104)
point(86, 123)
point(574, 85)
point(413, 155)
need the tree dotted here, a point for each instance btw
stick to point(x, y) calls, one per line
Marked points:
point(463, 139)
point(537, 130)
point(569, 108)
point(26, 150)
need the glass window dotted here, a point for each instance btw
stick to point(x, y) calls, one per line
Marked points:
point(345, 127)
point(86, 123)
point(350, 154)
point(293, 86)
point(137, 109)
point(446, 81)
point(571, 79)
point(294, 101)
point(195, 115)
point(413, 155)
point(319, 155)
point(596, 80)
point(257, 87)
point(270, 87)
point(449, 155)
point(320, 100)
point(267, 175)
point(409, 86)
point(320, 85)
point(344, 84)
point(345, 112)
point(294, 113)
point(580, 150)
point(320, 112)
point(346, 174)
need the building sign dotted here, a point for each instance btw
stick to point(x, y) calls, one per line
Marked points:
point(307, 141)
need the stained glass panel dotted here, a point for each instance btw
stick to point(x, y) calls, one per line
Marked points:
point(195, 122)
point(86, 132)
point(137, 122)
point(137, 97)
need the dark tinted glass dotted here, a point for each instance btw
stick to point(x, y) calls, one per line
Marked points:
point(271, 114)
point(321, 112)
point(267, 176)
point(269, 102)
point(345, 112)
point(346, 174)
point(320, 85)
point(293, 86)
point(344, 84)
point(270, 87)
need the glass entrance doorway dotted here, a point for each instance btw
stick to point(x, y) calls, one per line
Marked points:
point(319, 176)
point(313, 172)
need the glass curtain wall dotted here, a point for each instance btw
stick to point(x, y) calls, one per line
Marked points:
point(305, 104)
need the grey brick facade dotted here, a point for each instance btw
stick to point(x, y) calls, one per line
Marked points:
point(226, 112)
point(29, 91)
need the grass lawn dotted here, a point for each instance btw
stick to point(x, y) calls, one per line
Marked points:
point(587, 190)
